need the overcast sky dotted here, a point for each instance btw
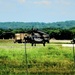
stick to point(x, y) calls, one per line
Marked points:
point(37, 10)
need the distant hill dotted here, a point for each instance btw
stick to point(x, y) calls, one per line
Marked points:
point(29, 25)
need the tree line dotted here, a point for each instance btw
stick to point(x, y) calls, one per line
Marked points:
point(29, 25)
point(61, 33)
point(56, 33)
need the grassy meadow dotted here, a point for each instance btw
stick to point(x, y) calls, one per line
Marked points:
point(53, 59)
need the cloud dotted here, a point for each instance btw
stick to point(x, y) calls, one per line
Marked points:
point(63, 2)
point(21, 1)
point(43, 2)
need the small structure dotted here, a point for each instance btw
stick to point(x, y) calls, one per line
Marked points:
point(19, 37)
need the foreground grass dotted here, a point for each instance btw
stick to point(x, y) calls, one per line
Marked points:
point(51, 59)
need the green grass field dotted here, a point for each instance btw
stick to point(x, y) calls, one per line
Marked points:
point(53, 59)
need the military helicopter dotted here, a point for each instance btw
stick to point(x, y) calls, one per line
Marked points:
point(73, 40)
point(37, 37)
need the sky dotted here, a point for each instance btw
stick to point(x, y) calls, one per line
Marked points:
point(37, 10)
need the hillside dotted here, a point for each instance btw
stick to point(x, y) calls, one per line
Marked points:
point(29, 25)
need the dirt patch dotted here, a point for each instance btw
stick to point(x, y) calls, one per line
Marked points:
point(68, 45)
point(63, 41)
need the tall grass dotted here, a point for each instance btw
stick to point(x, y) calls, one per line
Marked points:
point(51, 59)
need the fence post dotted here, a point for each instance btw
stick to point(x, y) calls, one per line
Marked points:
point(26, 59)
point(74, 55)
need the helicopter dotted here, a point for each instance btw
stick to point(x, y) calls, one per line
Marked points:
point(37, 37)
point(73, 40)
